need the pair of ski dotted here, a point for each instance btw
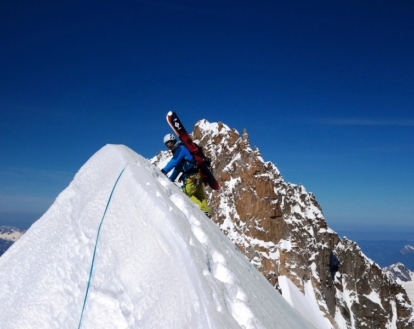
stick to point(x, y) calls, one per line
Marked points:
point(205, 173)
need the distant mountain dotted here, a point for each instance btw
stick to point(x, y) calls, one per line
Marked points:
point(407, 249)
point(398, 272)
point(8, 236)
point(4, 245)
point(385, 253)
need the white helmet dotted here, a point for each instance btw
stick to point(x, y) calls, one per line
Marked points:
point(169, 138)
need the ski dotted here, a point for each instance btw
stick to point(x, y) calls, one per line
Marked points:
point(178, 128)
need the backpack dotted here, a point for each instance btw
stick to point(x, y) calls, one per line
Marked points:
point(202, 158)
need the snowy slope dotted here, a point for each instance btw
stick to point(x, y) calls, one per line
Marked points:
point(307, 304)
point(280, 227)
point(409, 287)
point(397, 273)
point(401, 275)
point(158, 263)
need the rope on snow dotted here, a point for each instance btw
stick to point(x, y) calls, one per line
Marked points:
point(96, 244)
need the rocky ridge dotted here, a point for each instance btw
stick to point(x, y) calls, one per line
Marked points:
point(281, 229)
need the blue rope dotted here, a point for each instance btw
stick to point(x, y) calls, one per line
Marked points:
point(96, 244)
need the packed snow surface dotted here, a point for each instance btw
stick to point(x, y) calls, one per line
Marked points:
point(305, 303)
point(409, 288)
point(123, 247)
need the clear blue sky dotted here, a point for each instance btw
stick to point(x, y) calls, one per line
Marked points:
point(324, 88)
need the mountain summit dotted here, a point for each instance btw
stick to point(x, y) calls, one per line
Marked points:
point(123, 247)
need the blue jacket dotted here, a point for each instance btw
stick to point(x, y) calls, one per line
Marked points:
point(182, 162)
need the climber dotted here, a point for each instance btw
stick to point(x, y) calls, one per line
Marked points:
point(184, 163)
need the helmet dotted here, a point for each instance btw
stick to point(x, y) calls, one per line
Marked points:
point(169, 138)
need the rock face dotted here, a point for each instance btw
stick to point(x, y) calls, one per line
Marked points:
point(281, 229)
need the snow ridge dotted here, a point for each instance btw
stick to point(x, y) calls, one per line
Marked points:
point(160, 262)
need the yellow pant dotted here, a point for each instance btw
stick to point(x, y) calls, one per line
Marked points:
point(193, 188)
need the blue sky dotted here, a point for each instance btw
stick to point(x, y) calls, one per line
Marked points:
point(325, 90)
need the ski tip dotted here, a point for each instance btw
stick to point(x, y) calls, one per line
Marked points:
point(169, 113)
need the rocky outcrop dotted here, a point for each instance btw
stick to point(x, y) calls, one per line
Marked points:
point(281, 229)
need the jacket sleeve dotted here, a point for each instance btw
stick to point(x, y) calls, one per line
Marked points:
point(176, 159)
point(174, 174)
